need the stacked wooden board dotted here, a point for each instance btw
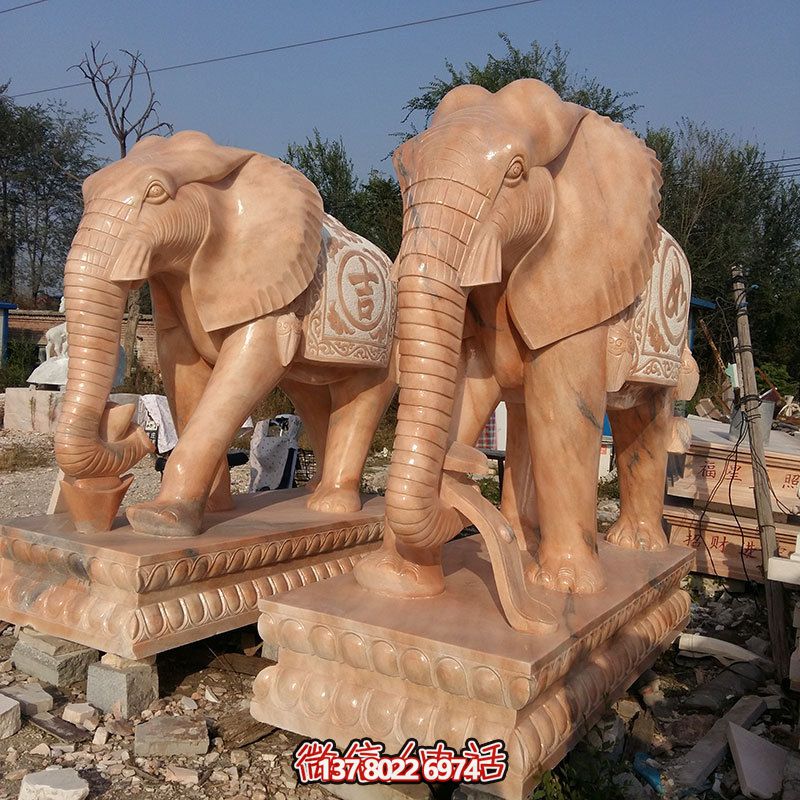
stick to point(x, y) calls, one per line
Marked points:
point(710, 503)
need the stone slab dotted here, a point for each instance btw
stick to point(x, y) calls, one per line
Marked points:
point(759, 763)
point(10, 716)
point(171, 736)
point(58, 670)
point(124, 692)
point(724, 547)
point(54, 784)
point(29, 409)
point(353, 664)
point(31, 697)
point(695, 767)
point(50, 645)
point(136, 595)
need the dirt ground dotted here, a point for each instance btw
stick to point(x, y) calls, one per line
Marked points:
point(658, 718)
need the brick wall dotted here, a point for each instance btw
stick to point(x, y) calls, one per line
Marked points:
point(33, 325)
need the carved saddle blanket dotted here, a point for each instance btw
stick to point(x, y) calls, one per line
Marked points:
point(352, 302)
point(658, 318)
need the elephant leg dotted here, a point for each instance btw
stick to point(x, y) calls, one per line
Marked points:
point(313, 405)
point(641, 436)
point(357, 405)
point(185, 375)
point(518, 501)
point(565, 396)
point(247, 367)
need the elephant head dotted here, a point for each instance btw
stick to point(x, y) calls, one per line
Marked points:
point(243, 227)
point(518, 187)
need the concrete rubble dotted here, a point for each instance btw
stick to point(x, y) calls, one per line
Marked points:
point(52, 660)
point(54, 784)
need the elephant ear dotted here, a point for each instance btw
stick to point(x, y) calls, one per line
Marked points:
point(264, 240)
point(598, 254)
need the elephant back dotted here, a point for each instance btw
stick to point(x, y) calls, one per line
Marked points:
point(351, 303)
point(659, 316)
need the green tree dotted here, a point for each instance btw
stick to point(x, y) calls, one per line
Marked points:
point(548, 64)
point(373, 209)
point(726, 205)
point(45, 153)
point(326, 164)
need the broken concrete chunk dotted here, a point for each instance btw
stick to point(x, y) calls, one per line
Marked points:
point(100, 736)
point(31, 697)
point(40, 750)
point(54, 784)
point(695, 767)
point(737, 680)
point(60, 664)
point(759, 763)
point(10, 716)
point(188, 777)
point(171, 736)
point(51, 645)
point(83, 714)
point(124, 692)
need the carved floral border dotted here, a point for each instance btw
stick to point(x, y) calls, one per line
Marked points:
point(326, 703)
point(448, 673)
point(118, 628)
point(58, 557)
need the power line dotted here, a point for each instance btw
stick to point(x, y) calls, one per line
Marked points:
point(23, 5)
point(307, 43)
point(777, 160)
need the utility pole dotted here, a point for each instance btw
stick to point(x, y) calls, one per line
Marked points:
point(776, 613)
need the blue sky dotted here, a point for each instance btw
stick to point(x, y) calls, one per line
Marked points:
point(732, 64)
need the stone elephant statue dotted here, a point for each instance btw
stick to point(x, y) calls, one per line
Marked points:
point(253, 286)
point(531, 239)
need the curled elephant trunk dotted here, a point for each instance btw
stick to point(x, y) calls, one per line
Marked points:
point(94, 310)
point(429, 329)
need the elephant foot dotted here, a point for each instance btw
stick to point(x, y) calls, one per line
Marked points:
point(385, 572)
point(575, 572)
point(637, 535)
point(179, 518)
point(335, 501)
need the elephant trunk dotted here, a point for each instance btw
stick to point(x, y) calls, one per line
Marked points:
point(430, 321)
point(94, 310)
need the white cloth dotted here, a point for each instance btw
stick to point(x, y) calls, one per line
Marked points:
point(270, 454)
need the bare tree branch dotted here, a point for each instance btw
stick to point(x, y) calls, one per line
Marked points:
point(115, 91)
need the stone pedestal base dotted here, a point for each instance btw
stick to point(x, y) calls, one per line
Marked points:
point(133, 595)
point(32, 409)
point(352, 664)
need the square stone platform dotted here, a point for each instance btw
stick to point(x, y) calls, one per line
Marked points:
point(353, 664)
point(134, 595)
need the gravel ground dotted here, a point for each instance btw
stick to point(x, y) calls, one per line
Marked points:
point(27, 491)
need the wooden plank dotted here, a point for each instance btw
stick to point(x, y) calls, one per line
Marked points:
point(60, 728)
point(240, 729)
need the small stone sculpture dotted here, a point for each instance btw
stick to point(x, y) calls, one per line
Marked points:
point(253, 286)
point(53, 370)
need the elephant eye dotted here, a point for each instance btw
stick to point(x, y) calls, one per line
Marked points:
point(156, 193)
point(515, 170)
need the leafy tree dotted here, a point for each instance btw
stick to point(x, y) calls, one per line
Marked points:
point(726, 205)
point(326, 164)
point(548, 64)
point(45, 153)
point(373, 209)
point(379, 212)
